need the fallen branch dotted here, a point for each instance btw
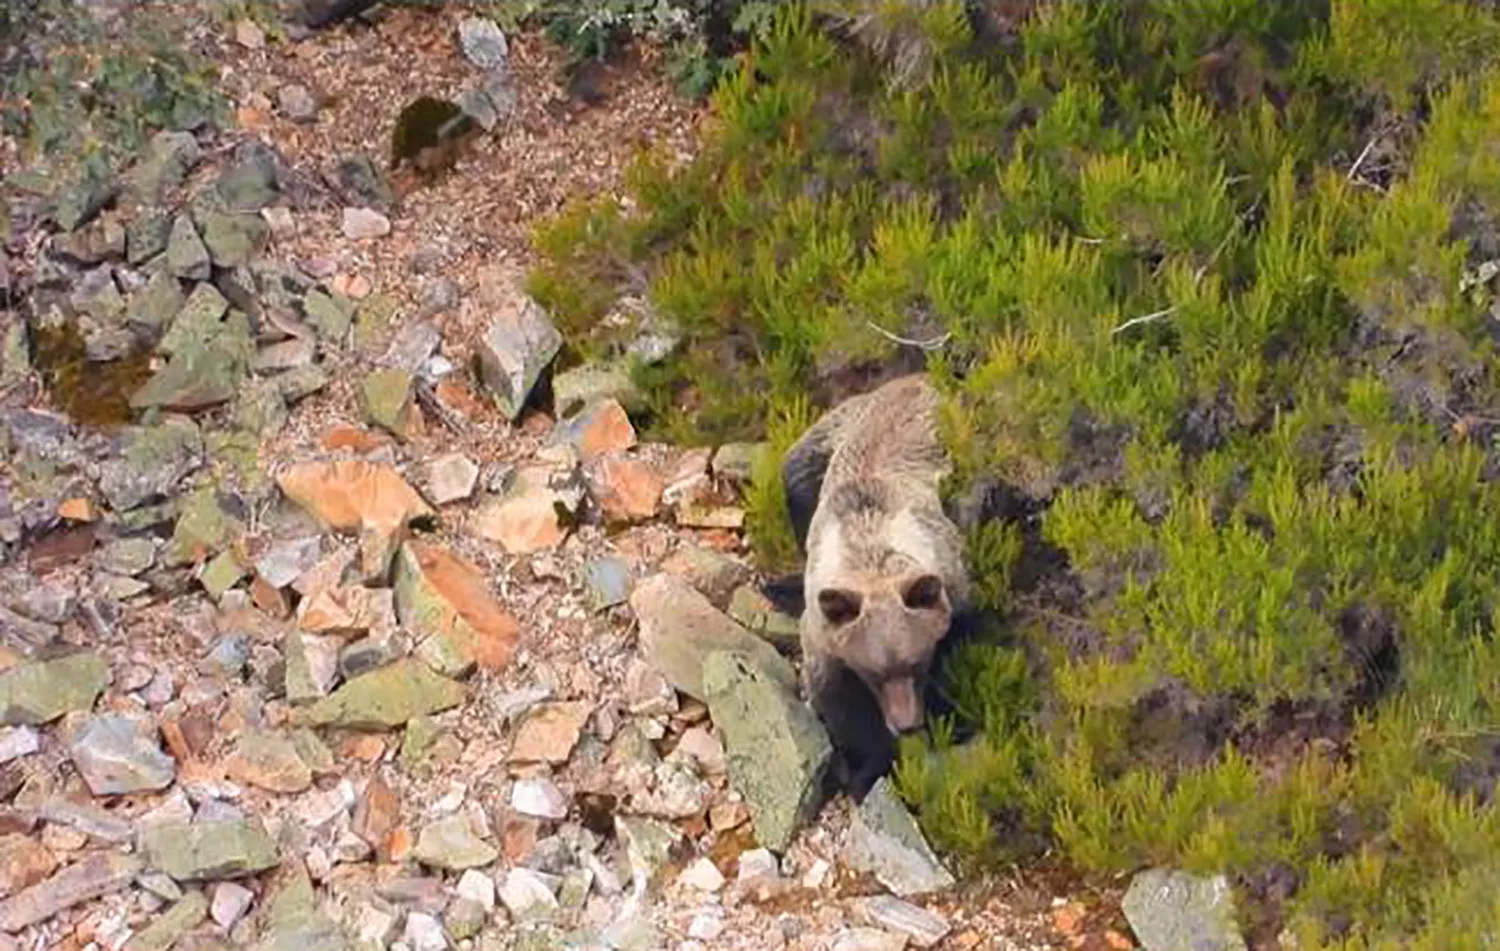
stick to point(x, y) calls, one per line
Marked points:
point(935, 343)
point(1145, 319)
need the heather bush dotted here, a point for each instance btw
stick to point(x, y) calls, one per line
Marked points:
point(1209, 287)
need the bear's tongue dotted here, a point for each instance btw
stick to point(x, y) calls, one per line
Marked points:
point(902, 704)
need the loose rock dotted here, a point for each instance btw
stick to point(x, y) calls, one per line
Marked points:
point(924, 928)
point(362, 224)
point(165, 930)
point(269, 761)
point(526, 895)
point(1170, 909)
point(231, 901)
point(387, 698)
point(209, 850)
point(518, 346)
point(117, 754)
point(776, 747)
point(679, 628)
point(449, 478)
point(445, 599)
point(885, 841)
point(483, 43)
point(451, 844)
point(96, 874)
point(539, 797)
point(41, 691)
point(550, 732)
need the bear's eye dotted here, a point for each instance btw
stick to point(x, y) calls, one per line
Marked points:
point(923, 594)
point(838, 607)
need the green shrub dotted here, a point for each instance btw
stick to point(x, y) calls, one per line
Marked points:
point(1198, 279)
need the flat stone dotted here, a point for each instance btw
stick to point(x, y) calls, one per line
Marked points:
point(924, 928)
point(169, 926)
point(86, 818)
point(270, 761)
point(285, 561)
point(17, 742)
point(234, 239)
point(868, 939)
point(362, 224)
point(377, 814)
point(220, 574)
point(388, 697)
point(312, 666)
point(285, 355)
point(117, 755)
point(776, 747)
point(538, 797)
point(39, 692)
point(95, 875)
point(450, 843)
point(477, 887)
point(448, 478)
point(518, 346)
point(146, 236)
point(885, 840)
point(736, 462)
point(523, 522)
point(206, 368)
point(171, 156)
point(250, 183)
point(424, 933)
point(330, 315)
point(209, 849)
point(550, 732)
point(187, 255)
point(156, 306)
point(702, 875)
point(679, 628)
point(483, 43)
point(445, 600)
point(713, 574)
point(1169, 909)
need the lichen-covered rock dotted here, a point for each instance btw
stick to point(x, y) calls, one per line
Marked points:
point(387, 698)
point(387, 400)
point(270, 761)
point(330, 315)
point(41, 691)
point(187, 255)
point(233, 239)
point(147, 235)
point(208, 849)
point(169, 159)
point(204, 371)
point(777, 749)
point(1170, 910)
point(154, 308)
point(152, 463)
point(167, 927)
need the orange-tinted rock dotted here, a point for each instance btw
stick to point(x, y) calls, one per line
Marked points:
point(76, 510)
point(446, 599)
point(601, 428)
point(549, 733)
point(377, 814)
point(357, 496)
point(626, 490)
point(365, 747)
point(23, 863)
point(355, 438)
point(271, 600)
point(522, 523)
point(458, 398)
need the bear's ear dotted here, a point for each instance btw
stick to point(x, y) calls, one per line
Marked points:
point(839, 605)
point(923, 593)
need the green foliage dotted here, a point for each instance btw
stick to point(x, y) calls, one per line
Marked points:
point(1252, 391)
point(82, 92)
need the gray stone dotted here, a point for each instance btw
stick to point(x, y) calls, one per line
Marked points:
point(412, 345)
point(232, 239)
point(483, 43)
point(231, 901)
point(93, 876)
point(117, 755)
point(155, 307)
point(198, 320)
point(16, 742)
point(39, 692)
point(924, 928)
point(205, 372)
point(209, 850)
point(230, 654)
point(464, 919)
point(526, 895)
point(82, 202)
point(285, 561)
point(649, 845)
point(776, 747)
point(86, 818)
point(538, 797)
point(679, 627)
point(187, 255)
point(1176, 911)
point(152, 464)
point(52, 601)
point(285, 355)
point(172, 155)
point(387, 400)
point(367, 654)
point(477, 887)
point(360, 179)
point(169, 926)
point(477, 105)
point(424, 933)
point(608, 581)
point(516, 349)
point(147, 235)
point(448, 478)
point(450, 843)
point(297, 103)
point(867, 939)
point(250, 184)
point(260, 409)
point(884, 840)
point(300, 382)
point(311, 666)
point(735, 462)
